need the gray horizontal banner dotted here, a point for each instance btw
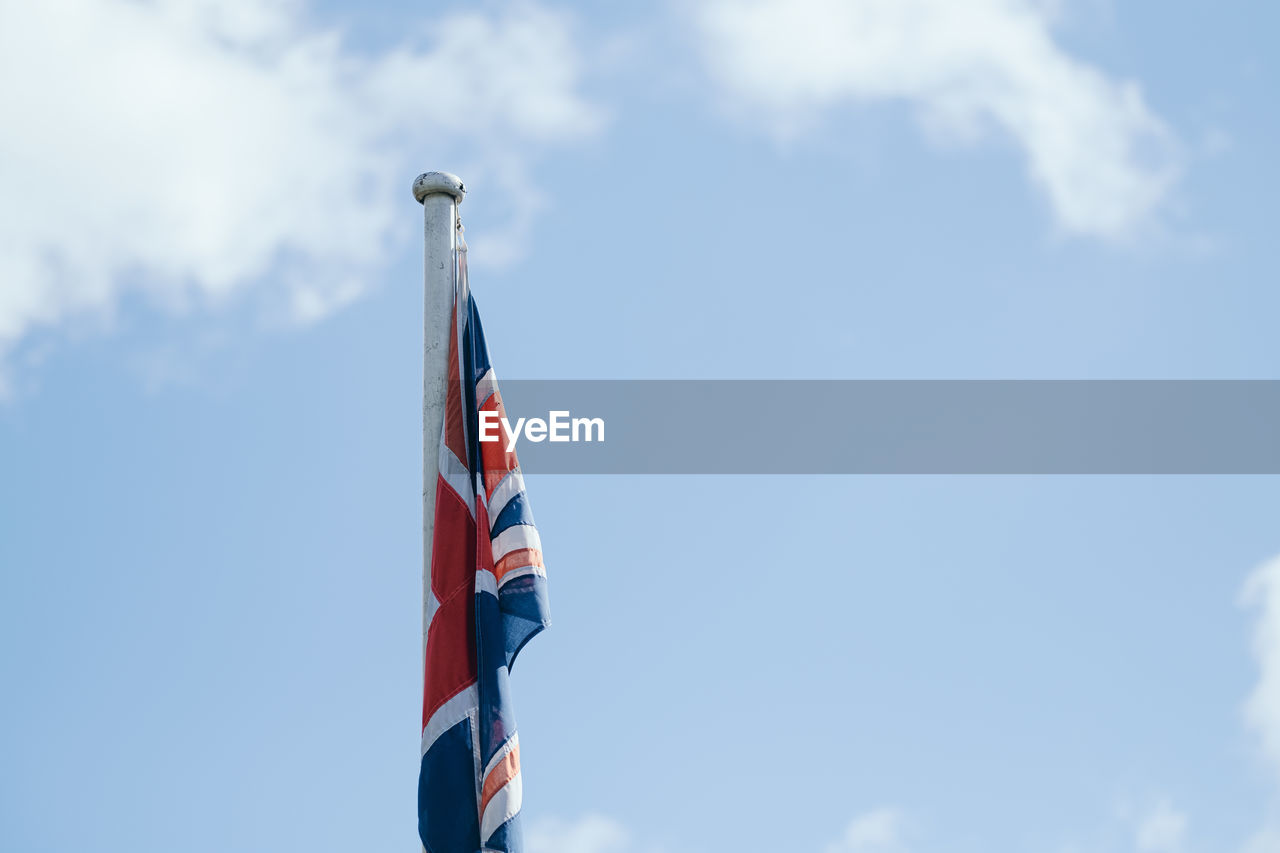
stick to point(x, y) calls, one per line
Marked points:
point(893, 427)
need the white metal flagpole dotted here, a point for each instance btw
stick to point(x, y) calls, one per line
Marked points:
point(440, 194)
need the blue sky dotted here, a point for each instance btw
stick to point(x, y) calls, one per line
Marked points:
point(210, 353)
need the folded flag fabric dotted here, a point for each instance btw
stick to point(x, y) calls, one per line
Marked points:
point(487, 598)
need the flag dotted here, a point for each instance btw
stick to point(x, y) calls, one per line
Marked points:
point(487, 598)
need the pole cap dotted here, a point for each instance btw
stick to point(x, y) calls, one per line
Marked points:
point(430, 183)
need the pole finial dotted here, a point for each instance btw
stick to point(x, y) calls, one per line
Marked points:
point(430, 183)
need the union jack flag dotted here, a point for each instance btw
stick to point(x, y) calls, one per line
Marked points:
point(487, 598)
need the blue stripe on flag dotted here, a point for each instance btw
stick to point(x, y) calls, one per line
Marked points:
point(446, 782)
point(516, 511)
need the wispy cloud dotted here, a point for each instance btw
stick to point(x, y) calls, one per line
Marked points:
point(1163, 829)
point(878, 831)
point(191, 150)
point(1103, 158)
point(591, 833)
point(1262, 710)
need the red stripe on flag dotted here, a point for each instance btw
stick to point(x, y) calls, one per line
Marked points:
point(450, 659)
point(484, 545)
point(454, 437)
point(453, 556)
point(494, 456)
point(517, 559)
point(500, 775)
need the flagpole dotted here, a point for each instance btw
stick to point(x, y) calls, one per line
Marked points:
point(440, 193)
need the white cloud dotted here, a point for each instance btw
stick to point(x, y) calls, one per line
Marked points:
point(588, 834)
point(1265, 841)
point(1262, 711)
point(878, 831)
point(193, 149)
point(1105, 161)
point(1161, 830)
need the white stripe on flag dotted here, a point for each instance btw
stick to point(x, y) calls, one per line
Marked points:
point(511, 485)
point(514, 538)
point(430, 606)
point(512, 743)
point(521, 572)
point(449, 715)
point(504, 806)
point(486, 582)
point(485, 388)
point(456, 477)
